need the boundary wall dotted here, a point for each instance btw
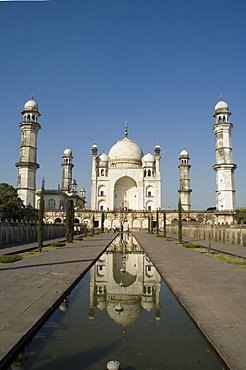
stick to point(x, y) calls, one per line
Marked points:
point(233, 234)
point(18, 232)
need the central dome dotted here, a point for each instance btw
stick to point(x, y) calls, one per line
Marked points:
point(125, 150)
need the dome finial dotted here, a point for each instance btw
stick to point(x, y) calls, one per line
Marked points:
point(220, 96)
point(126, 129)
point(32, 96)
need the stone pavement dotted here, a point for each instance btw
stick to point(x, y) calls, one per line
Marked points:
point(212, 291)
point(32, 288)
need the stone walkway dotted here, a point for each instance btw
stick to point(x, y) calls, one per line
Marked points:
point(31, 288)
point(212, 291)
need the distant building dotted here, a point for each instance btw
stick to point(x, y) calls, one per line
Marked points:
point(125, 178)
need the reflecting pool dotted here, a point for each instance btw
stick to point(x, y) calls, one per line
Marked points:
point(121, 310)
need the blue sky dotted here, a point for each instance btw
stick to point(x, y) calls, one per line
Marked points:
point(92, 65)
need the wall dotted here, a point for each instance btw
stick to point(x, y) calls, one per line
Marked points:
point(14, 232)
point(233, 234)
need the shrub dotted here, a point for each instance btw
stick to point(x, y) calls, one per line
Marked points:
point(10, 258)
point(57, 244)
point(190, 245)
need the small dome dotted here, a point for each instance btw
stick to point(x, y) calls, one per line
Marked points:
point(31, 105)
point(68, 152)
point(94, 145)
point(148, 158)
point(221, 105)
point(184, 153)
point(103, 157)
point(125, 150)
point(82, 190)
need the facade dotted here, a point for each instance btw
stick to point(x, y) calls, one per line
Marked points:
point(125, 183)
point(184, 189)
point(125, 178)
point(224, 167)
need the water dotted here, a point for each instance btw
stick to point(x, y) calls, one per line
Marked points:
point(120, 310)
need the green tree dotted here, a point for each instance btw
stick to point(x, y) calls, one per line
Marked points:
point(70, 221)
point(30, 213)
point(93, 221)
point(164, 224)
point(11, 205)
point(151, 224)
point(41, 219)
point(241, 216)
point(157, 222)
point(102, 222)
point(180, 221)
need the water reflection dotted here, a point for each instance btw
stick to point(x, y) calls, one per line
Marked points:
point(121, 310)
point(124, 282)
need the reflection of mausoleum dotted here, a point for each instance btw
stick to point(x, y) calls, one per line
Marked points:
point(124, 282)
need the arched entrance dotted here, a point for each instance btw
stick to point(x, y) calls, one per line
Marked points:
point(125, 193)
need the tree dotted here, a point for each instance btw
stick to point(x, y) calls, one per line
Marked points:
point(30, 213)
point(164, 224)
point(70, 221)
point(241, 216)
point(157, 222)
point(93, 221)
point(41, 219)
point(151, 224)
point(11, 205)
point(180, 221)
point(102, 222)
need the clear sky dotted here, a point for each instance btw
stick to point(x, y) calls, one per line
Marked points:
point(94, 64)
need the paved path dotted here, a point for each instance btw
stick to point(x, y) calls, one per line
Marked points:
point(212, 291)
point(31, 288)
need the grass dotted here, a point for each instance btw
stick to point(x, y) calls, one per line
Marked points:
point(17, 257)
point(231, 259)
point(10, 258)
point(223, 257)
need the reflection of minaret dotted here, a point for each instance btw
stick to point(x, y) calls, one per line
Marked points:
point(27, 165)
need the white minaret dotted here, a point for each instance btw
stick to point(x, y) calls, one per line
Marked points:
point(224, 167)
point(94, 157)
point(157, 176)
point(27, 165)
point(185, 190)
point(67, 167)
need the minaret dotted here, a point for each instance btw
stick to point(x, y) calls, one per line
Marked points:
point(94, 157)
point(224, 167)
point(157, 176)
point(185, 190)
point(27, 165)
point(67, 167)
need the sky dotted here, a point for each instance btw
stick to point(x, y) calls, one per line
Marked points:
point(161, 65)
